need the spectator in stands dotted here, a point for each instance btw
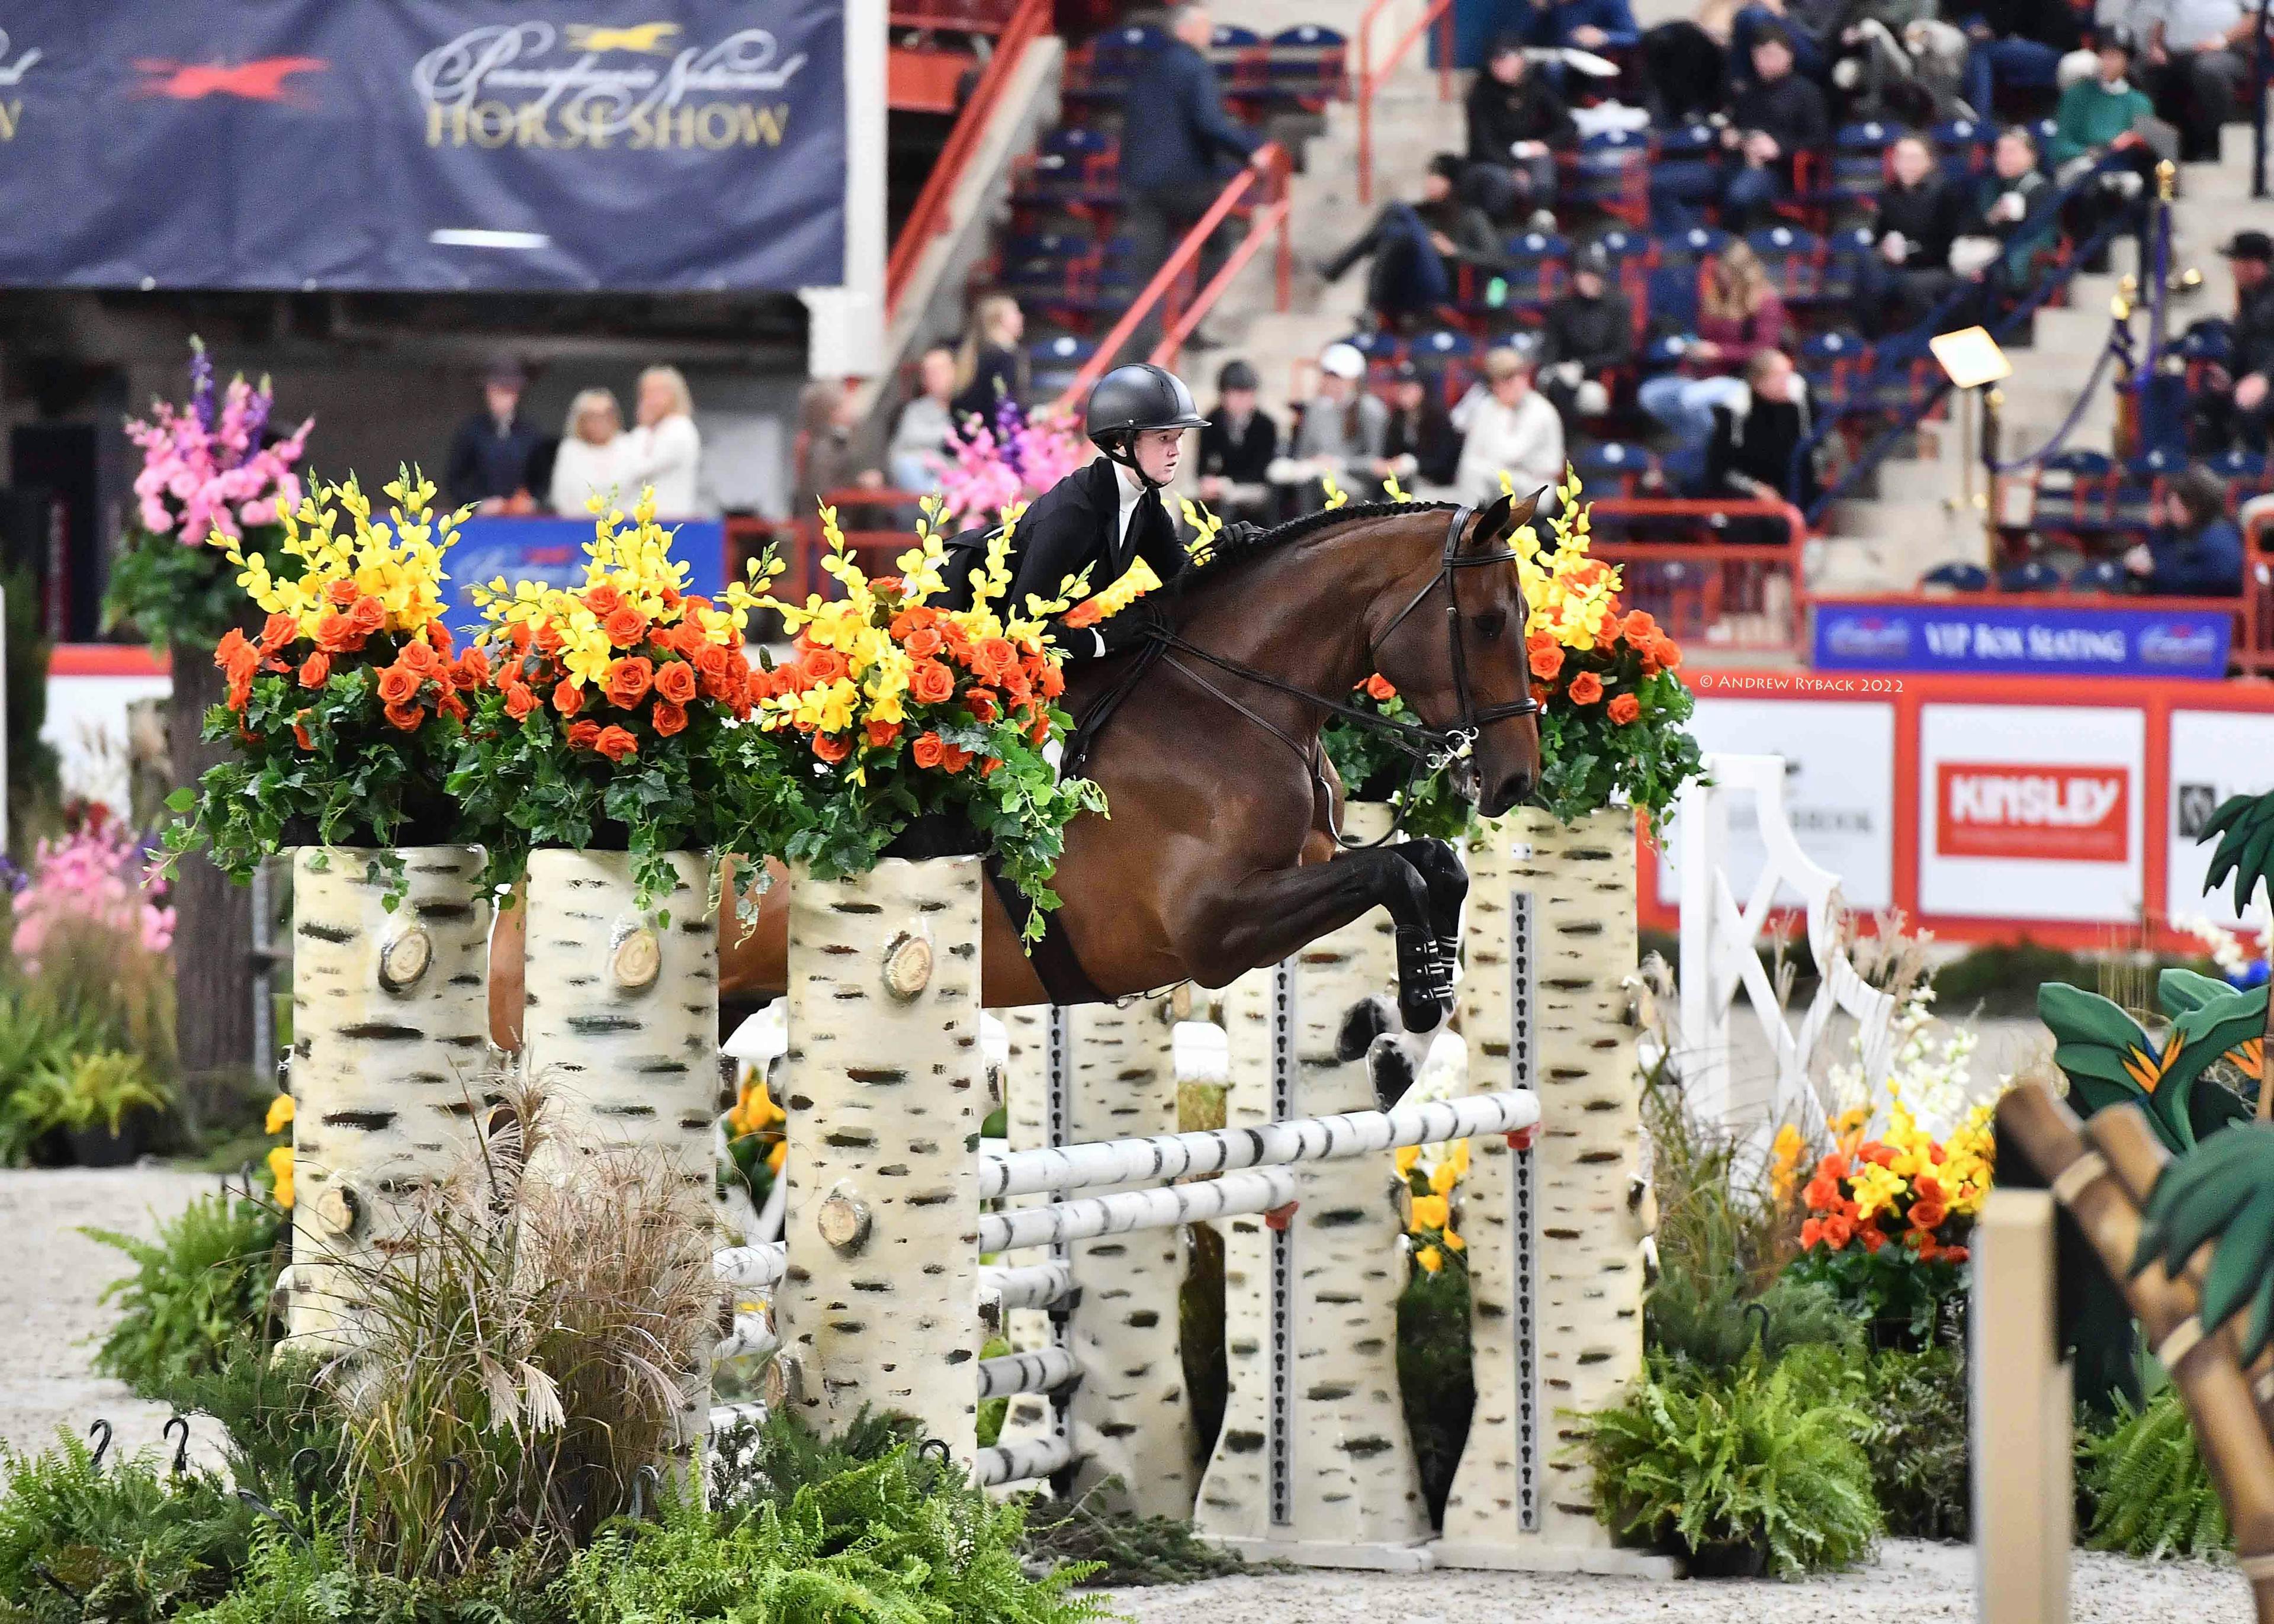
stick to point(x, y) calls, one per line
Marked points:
point(2016, 42)
point(2250, 354)
point(1415, 248)
point(2197, 66)
point(920, 434)
point(1338, 431)
point(666, 449)
point(825, 456)
point(2013, 217)
point(1588, 25)
point(489, 457)
point(990, 367)
point(591, 460)
point(2196, 551)
point(1237, 447)
point(1421, 444)
point(1686, 63)
point(1806, 26)
point(1584, 334)
point(1758, 431)
point(1507, 426)
point(1908, 271)
point(1739, 315)
point(2099, 113)
point(1776, 119)
point(1517, 124)
point(1175, 132)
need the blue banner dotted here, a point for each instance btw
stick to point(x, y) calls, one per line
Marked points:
point(552, 550)
point(443, 145)
point(2024, 638)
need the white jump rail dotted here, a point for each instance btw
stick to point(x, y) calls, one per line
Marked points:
point(1232, 1196)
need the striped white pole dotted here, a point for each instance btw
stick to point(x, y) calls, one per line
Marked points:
point(751, 1269)
point(1037, 1285)
point(1020, 1462)
point(1043, 1370)
point(1276, 1144)
point(1256, 1192)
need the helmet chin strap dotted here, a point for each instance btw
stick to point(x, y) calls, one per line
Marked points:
point(1121, 453)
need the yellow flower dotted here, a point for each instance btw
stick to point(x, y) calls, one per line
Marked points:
point(1454, 1243)
point(775, 1157)
point(1430, 1260)
point(1431, 1212)
point(1444, 1176)
point(1405, 1156)
point(280, 1167)
point(279, 1114)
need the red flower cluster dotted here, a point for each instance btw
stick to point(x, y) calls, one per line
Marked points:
point(1836, 1220)
point(1627, 648)
point(421, 681)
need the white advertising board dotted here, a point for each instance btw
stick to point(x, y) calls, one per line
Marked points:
point(2031, 813)
point(2215, 754)
point(1839, 783)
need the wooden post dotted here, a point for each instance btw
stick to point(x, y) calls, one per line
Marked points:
point(390, 1031)
point(880, 1306)
point(1314, 1465)
point(1556, 1257)
point(2021, 1450)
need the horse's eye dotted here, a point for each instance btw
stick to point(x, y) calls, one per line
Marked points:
point(1491, 623)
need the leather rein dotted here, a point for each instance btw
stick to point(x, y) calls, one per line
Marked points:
point(1428, 748)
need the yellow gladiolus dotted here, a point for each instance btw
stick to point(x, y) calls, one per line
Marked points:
point(1405, 1156)
point(279, 1114)
point(1431, 1212)
point(1454, 1243)
point(1444, 1177)
point(1430, 1260)
point(280, 1168)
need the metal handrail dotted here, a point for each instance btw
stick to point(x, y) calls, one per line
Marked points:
point(928, 218)
point(1186, 253)
point(1439, 16)
point(1271, 222)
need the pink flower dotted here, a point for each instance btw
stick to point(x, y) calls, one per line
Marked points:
point(91, 879)
point(205, 470)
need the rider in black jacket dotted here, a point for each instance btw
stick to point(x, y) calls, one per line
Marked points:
point(1106, 516)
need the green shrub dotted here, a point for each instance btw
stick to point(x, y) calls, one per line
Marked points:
point(1918, 1443)
point(1122, 1550)
point(2151, 1494)
point(1437, 1379)
point(199, 1294)
point(125, 1545)
point(1712, 1325)
point(287, 1583)
point(283, 1435)
point(1761, 1461)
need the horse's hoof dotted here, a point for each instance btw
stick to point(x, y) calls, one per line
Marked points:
point(1390, 1069)
point(1367, 1019)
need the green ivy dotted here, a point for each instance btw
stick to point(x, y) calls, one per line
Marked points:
point(1372, 766)
point(1587, 762)
point(176, 594)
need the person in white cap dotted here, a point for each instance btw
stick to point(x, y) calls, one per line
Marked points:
point(1339, 430)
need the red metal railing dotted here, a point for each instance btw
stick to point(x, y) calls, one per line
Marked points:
point(1370, 79)
point(1722, 596)
point(961, 16)
point(1271, 219)
point(928, 218)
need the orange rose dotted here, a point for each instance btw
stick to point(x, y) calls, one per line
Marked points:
point(234, 655)
point(604, 599)
point(439, 635)
point(1606, 636)
point(1625, 708)
point(927, 750)
point(368, 615)
point(1586, 689)
point(1838, 1231)
point(520, 700)
point(280, 630)
point(335, 635)
point(567, 698)
point(669, 717)
point(316, 669)
point(518, 634)
point(582, 733)
point(712, 663)
point(1040, 731)
point(954, 757)
point(886, 583)
point(675, 680)
point(924, 643)
point(995, 657)
point(987, 768)
point(1873, 1237)
point(628, 681)
point(1810, 1232)
point(830, 748)
point(931, 683)
point(1379, 688)
point(548, 638)
point(471, 671)
point(615, 743)
point(343, 594)
point(300, 731)
point(981, 703)
point(405, 717)
point(420, 660)
point(1084, 615)
point(1052, 681)
point(881, 734)
point(625, 627)
point(1546, 662)
point(1541, 693)
point(450, 705)
point(398, 685)
point(1667, 653)
point(825, 666)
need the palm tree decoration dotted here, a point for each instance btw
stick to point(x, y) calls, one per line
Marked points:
point(2244, 827)
point(2223, 1193)
point(2110, 1059)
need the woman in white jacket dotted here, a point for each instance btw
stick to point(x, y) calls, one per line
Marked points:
point(591, 458)
point(1507, 426)
point(666, 449)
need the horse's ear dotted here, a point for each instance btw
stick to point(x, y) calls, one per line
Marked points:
point(1499, 522)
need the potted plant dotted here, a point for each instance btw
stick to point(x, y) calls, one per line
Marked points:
point(342, 719)
point(101, 1102)
point(213, 471)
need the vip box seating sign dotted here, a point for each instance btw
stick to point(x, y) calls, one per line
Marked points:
point(2031, 639)
point(458, 145)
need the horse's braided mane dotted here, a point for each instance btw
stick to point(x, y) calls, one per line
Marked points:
point(1230, 557)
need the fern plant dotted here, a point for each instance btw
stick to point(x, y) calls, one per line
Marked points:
point(1918, 1441)
point(2151, 1494)
point(1762, 1458)
point(198, 1293)
point(1709, 1322)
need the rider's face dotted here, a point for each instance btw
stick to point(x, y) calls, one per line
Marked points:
point(1157, 453)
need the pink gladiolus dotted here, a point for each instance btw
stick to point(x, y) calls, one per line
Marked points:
point(93, 876)
point(204, 467)
point(1016, 460)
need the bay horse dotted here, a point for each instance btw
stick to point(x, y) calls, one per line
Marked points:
point(1217, 856)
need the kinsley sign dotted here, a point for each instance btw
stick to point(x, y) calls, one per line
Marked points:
point(1989, 809)
point(463, 145)
point(2034, 636)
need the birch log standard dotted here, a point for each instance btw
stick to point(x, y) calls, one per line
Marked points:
point(390, 1032)
point(1557, 1311)
point(880, 1306)
point(1314, 1465)
point(1027, 1117)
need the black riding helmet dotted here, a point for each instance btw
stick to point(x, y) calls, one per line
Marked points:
point(1129, 399)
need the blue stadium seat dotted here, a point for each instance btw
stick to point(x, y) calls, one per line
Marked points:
point(1959, 577)
point(1617, 462)
point(2036, 575)
point(2099, 576)
point(1442, 345)
point(1793, 258)
point(1692, 140)
point(1376, 346)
